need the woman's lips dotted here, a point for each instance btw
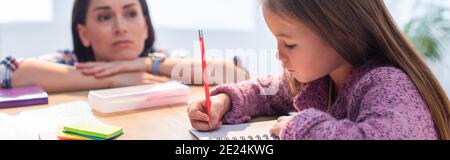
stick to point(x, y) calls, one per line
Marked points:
point(122, 43)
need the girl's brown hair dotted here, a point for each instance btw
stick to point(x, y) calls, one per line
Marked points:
point(362, 29)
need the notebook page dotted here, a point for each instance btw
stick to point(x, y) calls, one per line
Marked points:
point(29, 124)
point(247, 131)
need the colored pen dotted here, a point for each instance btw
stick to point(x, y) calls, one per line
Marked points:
point(205, 75)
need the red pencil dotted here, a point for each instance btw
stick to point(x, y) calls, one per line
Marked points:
point(205, 75)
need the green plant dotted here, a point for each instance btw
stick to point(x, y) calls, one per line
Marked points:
point(430, 32)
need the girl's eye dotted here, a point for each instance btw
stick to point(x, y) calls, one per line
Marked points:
point(290, 46)
point(104, 17)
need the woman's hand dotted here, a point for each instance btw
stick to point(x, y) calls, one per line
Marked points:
point(220, 105)
point(135, 78)
point(282, 121)
point(107, 69)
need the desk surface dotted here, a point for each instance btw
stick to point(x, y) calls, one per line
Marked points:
point(164, 123)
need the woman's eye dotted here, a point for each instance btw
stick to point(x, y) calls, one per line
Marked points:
point(104, 17)
point(131, 14)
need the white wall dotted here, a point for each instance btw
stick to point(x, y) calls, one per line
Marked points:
point(30, 39)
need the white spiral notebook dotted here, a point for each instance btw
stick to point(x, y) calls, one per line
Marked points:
point(247, 131)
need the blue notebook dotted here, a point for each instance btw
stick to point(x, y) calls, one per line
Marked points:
point(22, 96)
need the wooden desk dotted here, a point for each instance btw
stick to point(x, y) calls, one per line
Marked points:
point(165, 123)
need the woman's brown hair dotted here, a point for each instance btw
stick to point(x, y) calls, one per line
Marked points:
point(362, 29)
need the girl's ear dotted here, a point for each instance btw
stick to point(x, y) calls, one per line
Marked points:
point(82, 33)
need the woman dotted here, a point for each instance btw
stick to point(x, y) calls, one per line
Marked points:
point(112, 42)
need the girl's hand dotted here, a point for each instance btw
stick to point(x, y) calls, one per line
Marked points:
point(135, 78)
point(282, 121)
point(220, 105)
point(107, 69)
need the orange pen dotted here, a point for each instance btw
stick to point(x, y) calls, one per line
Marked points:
point(205, 75)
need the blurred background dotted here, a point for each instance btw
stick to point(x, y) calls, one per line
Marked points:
point(30, 28)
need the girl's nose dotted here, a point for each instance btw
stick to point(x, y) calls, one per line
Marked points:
point(281, 57)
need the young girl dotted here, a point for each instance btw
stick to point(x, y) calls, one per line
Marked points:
point(351, 74)
point(113, 47)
